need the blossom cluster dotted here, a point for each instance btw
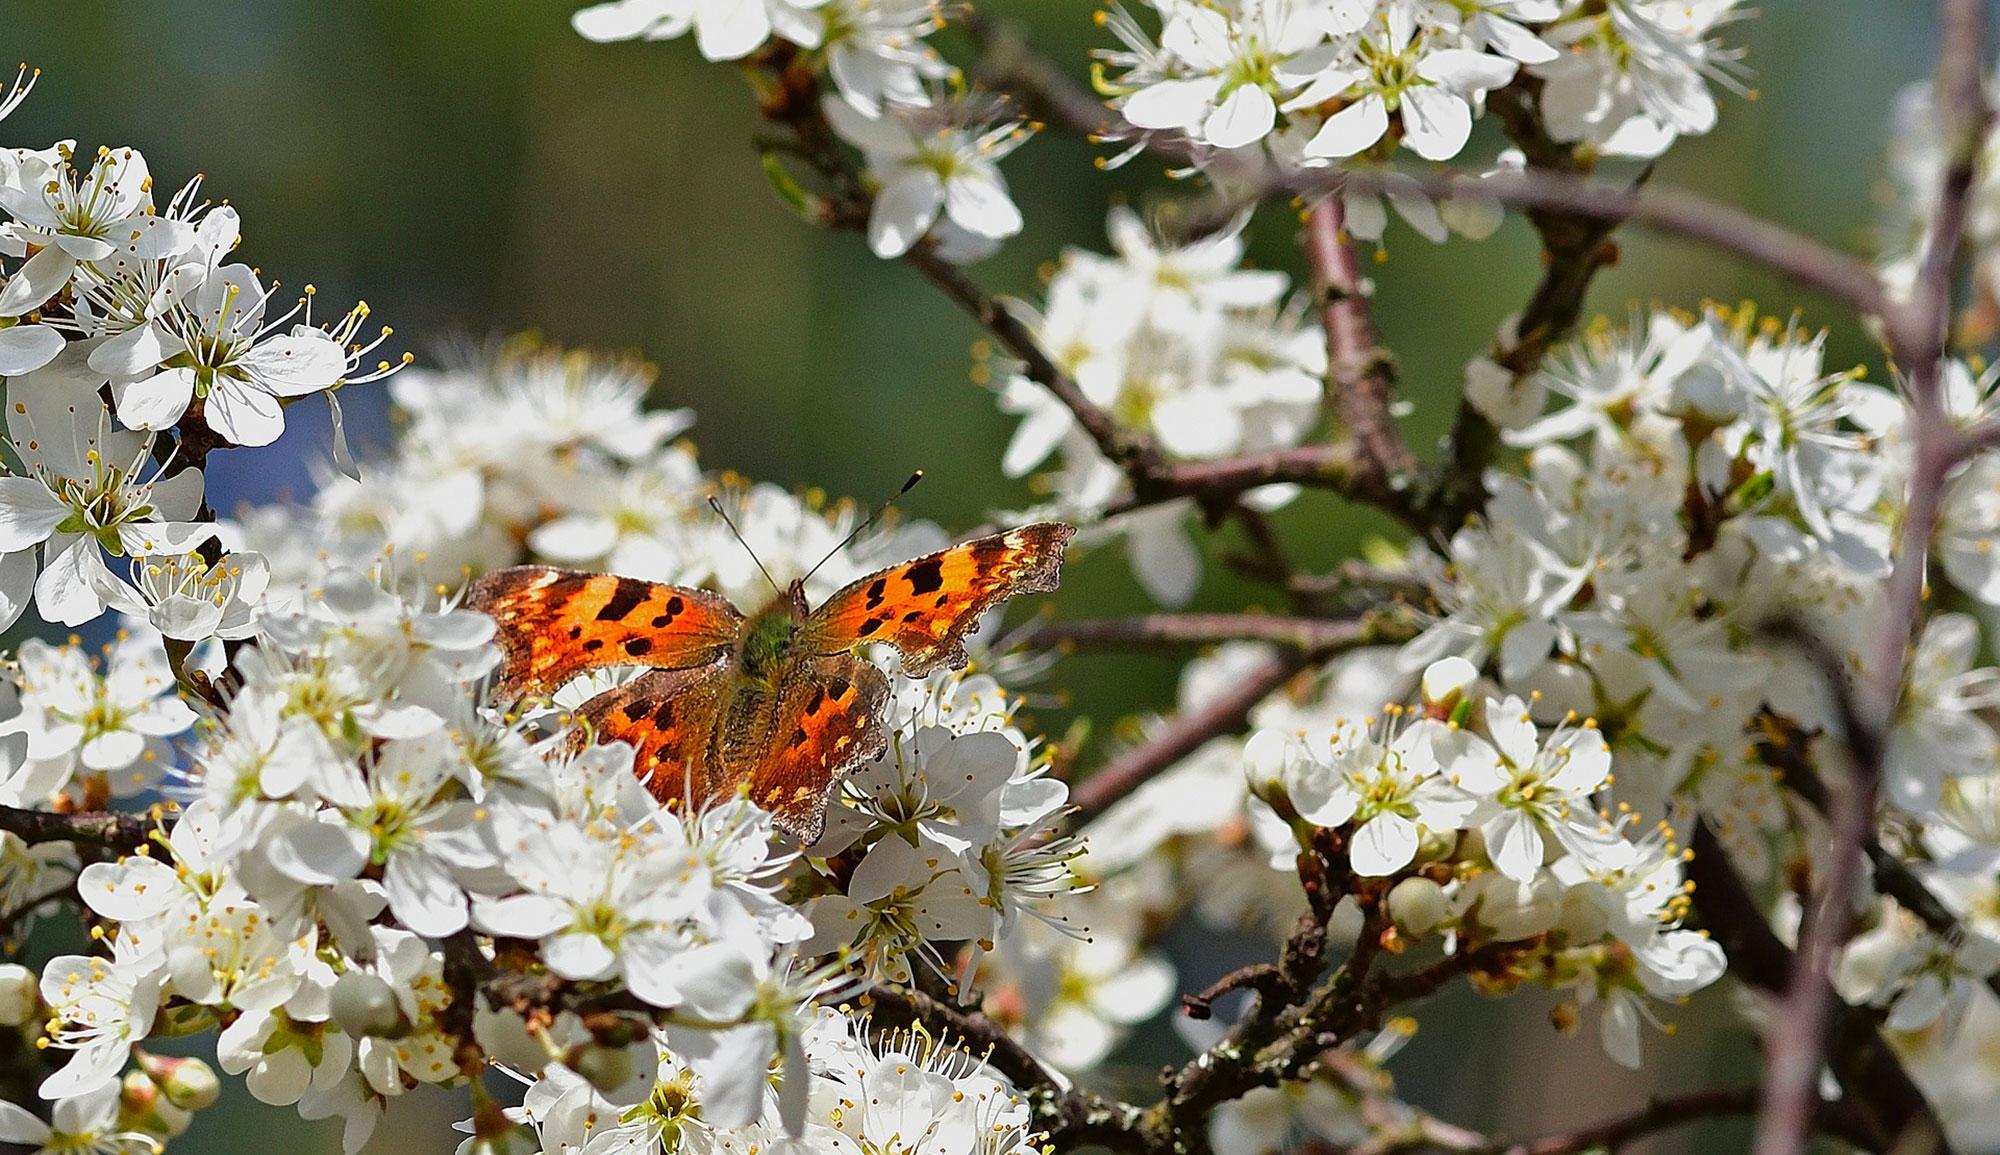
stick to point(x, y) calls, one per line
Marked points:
point(1707, 488)
point(1312, 82)
point(121, 317)
point(1182, 343)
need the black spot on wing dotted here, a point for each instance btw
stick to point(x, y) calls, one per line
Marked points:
point(625, 597)
point(869, 626)
point(638, 646)
point(635, 709)
point(926, 577)
point(876, 589)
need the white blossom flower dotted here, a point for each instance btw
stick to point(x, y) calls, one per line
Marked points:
point(406, 821)
point(1227, 67)
point(1938, 734)
point(101, 1006)
point(935, 166)
point(1431, 90)
point(1632, 75)
point(222, 349)
point(1384, 781)
point(189, 598)
point(1536, 788)
point(81, 721)
point(875, 51)
point(69, 216)
point(85, 1124)
point(87, 488)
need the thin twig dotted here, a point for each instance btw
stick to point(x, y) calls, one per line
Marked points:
point(1128, 449)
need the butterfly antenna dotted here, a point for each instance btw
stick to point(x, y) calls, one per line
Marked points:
point(724, 515)
point(871, 519)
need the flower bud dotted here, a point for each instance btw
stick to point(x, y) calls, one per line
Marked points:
point(18, 997)
point(365, 1006)
point(605, 1068)
point(138, 1094)
point(188, 1083)
point(1344, 925)
point(168, 1120)
point(1582, 920)
point(1265, 758)
point(1417, 905)
point(1506, 400)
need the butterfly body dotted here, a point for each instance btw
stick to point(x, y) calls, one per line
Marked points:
point(769, 633)
point(777, 704)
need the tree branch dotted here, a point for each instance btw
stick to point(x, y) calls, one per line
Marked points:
point(1916, 334)
point(1686, 215)
point(1420, 1131)
point(1887, 1104)
point(1360, 379)
point(1183, 736)
point(1151, 631)
point(1574, 249)
point(105, 831)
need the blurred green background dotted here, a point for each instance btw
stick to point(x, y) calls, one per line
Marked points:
point(475, 168)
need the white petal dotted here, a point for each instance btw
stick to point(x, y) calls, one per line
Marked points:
point(1171, 104)
point(423, 895)
point(294, 365)
point(981, 205)
point(1515, 842)
point(29, 513)
point(67, 590)
point(1384, 845)
point(730, 29)
point(245, 415)
point(1351, 130)
point(1436, 122)
point(26, 348)
point(904, 211)
point(318, 853)
point(1244, 117)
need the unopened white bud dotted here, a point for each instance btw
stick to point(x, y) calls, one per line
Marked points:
point(1448, 678)
point(365, 1006)
point(18, 998)
point(1265, 758)
point(188, 1083)
point(1417, 905)
point(1507, 401)
point(605, 1068)
point(1343, 926)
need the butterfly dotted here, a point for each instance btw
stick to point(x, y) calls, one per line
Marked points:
point(779, 702)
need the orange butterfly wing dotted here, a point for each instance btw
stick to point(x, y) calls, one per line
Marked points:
point(924, 608)
point(558, 623)
point(671, 718)
point(828, 721)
